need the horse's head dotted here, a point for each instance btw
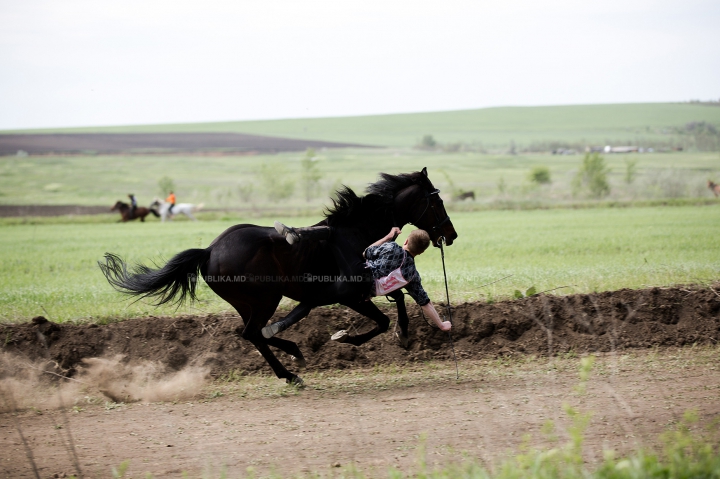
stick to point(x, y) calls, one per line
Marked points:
point(155, 204)
point(117, 206)
point(419, 203)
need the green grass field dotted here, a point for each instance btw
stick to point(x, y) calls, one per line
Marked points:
point(218, 181)
point(50, 269)
point(491, 127)
point(49, 266)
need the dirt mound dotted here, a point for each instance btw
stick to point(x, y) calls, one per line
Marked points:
point(538, 325)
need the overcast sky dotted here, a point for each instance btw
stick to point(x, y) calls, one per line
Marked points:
point(86, 63)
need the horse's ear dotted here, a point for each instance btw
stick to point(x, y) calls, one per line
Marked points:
point(424, 171)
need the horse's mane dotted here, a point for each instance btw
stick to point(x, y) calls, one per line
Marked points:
point(349, 208)
point(389, 185)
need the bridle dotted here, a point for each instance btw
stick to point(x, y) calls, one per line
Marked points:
point(431, 205)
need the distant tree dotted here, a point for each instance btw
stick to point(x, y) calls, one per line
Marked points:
point(592, 176)
point(310, 174)
point(454, 190)
point(513, 148)
point(630, 170)
point(275, 182)
point(166, 185)
point(540, 175)
point(428, 142)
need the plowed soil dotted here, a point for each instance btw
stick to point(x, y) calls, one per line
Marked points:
point(373, 427)
point(38, 144)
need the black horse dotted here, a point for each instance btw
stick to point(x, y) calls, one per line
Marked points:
point(253, 267)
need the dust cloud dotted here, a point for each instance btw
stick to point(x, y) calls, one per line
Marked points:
point(43, 384)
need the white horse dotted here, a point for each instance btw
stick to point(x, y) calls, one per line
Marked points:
point(184, 208)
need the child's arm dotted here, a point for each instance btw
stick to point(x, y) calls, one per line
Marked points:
point(429, 310)
point(394, 232)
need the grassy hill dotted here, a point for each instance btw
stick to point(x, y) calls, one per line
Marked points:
point(487, 128)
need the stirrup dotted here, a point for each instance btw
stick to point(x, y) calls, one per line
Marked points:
point(288, 232)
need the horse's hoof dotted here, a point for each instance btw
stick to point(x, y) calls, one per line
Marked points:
point(341, 336)
point(404, 340)
point(271, 330)
point(299, 362)
point(296, 381)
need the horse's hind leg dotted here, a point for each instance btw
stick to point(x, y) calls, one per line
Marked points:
point(259, 316)
point(298, 313)
point(367, 308)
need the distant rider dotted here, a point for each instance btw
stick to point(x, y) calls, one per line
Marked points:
point(133, 205)
point(171, 199)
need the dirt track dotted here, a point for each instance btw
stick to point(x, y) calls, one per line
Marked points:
point(374, 421)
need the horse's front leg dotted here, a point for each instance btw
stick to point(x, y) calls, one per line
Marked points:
point(366, 308)
point(290, 348)
point(403, 320)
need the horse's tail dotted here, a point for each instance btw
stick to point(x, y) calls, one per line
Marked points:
point(171, 283)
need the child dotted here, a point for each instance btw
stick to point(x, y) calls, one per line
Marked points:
point(392, 266)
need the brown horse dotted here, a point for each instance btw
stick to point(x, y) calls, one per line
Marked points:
point(714, 187)
point(127, 214)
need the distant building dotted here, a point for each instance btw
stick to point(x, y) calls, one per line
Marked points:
point(621, 149)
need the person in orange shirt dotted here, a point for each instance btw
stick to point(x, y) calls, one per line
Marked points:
point(171, 199)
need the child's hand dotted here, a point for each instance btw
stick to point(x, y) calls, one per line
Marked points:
point(394, 233)
point(446, 326)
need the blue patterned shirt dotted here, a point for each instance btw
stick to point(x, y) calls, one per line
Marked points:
point(387, 257)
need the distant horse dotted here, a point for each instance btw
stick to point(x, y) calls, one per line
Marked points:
point(127, 214)
point(714, 187)
point(253, 267)
point(464, 195)
point(180, 208)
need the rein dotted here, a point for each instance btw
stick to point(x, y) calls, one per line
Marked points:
point(441, 242)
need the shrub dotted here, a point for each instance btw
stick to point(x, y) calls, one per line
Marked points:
point(274, 181)
point(540, 175)
point(592, 176)
point(428, 142)
point(630, 170)
point(245, 191)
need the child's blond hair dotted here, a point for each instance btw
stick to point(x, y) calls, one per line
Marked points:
point(418, 242)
